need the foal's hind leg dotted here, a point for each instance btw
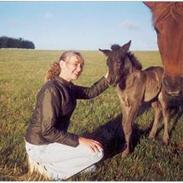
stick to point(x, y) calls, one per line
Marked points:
point(164, 101)
point(157, 109)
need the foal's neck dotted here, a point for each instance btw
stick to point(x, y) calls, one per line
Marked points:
point(129, 69)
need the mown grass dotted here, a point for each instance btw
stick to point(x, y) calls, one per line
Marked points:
point(21, 76)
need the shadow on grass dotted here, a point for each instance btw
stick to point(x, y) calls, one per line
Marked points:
point(111, 136)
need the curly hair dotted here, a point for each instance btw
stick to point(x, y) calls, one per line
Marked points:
point(55, 69)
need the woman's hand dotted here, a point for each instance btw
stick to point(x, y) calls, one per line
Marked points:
point(92, 144)
point(107, 77)
point(107, 74)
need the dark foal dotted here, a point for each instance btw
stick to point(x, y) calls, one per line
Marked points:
point(135, 86)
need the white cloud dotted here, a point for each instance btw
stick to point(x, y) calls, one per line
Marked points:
point(126, 24)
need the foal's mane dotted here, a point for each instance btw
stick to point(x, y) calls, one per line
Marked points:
point(135, 62)
point(164, 10)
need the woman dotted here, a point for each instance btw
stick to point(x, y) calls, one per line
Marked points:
point(52, 150)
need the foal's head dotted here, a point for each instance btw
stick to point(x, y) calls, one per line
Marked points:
point(120, 61)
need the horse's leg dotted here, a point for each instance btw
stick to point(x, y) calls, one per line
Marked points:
point(129, 113)
point(163, 102)
point(157, 109)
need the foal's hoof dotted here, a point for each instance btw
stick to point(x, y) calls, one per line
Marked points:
point(165, 141)
point(151, 136)
point(125, 153)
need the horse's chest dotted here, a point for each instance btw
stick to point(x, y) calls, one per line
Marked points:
point(133, 86)
point(124, 97)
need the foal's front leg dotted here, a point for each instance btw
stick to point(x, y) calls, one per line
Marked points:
point(129, 114)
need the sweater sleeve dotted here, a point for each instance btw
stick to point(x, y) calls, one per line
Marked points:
point(90, 92)
point(50, 111)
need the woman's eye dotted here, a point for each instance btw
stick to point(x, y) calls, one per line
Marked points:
point(74, 65)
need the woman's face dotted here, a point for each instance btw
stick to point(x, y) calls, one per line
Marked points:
point(72, 68)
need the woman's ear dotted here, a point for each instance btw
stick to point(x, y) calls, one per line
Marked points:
point(61, 63)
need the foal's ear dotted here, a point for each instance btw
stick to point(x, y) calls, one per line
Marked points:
point(150, 5)
point(105, 52)
point(126, 47)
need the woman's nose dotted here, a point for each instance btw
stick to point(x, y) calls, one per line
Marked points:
point(79, 68)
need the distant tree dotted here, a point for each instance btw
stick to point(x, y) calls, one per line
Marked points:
point(27, 44)
point(3, 42)
point(7, 42)
point(12, 43)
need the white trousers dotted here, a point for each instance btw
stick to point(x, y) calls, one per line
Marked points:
point(62, 161)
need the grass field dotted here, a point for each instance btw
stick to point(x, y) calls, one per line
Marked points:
point(21, 76)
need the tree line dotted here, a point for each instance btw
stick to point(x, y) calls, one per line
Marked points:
point(8, 42)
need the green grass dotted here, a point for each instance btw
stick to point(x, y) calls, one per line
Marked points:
point(21, 76)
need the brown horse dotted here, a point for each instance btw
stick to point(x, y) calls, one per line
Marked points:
point(136, 86)
point(168, 23)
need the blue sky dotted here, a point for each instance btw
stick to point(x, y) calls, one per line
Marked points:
point(80, 25)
